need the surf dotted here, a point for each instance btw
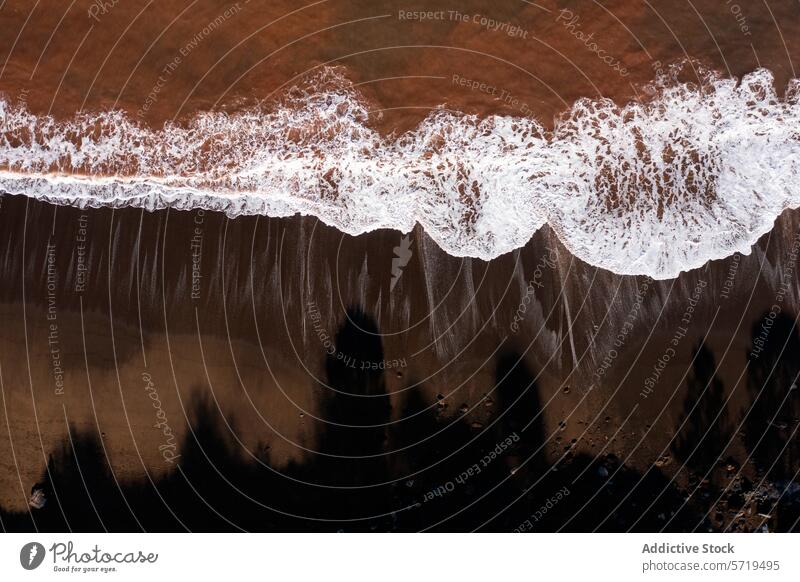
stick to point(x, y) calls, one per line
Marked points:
point(697, 172)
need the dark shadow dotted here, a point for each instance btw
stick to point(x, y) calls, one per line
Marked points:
point(353, 439)
point(440, 465)
point(774, 409)
point(705, 430)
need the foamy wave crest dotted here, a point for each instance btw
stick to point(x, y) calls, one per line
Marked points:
point(696, 173)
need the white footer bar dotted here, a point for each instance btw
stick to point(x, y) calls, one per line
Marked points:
point(389, 557)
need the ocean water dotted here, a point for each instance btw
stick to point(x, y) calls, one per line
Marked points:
point(696, 172)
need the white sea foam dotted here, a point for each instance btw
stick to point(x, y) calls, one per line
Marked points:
point(697, 173)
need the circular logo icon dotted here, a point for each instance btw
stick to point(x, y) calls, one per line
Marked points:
point(31, 555)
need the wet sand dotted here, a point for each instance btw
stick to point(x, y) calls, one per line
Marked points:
point(261, 340)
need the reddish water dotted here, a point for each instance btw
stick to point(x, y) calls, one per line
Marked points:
point(532, 56)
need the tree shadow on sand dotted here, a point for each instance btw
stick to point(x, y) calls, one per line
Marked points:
point(704, 429)
point(440, 464)
point(774, 412)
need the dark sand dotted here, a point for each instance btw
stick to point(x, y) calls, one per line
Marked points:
point(252, 349)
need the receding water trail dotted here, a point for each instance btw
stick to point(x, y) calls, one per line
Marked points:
point(696, 173)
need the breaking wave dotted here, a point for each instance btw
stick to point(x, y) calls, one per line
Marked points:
point(697, 172)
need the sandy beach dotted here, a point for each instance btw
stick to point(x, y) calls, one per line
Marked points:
point(173, 370)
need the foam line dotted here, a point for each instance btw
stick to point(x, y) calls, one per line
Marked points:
point(696, 173)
